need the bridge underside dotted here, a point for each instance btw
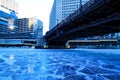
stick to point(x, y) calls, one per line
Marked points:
point(98, 19)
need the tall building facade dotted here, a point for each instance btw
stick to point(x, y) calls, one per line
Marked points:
point(30, 25)
point(62, 9)
point(25, 25)
point(8, 14)
point(39, 30)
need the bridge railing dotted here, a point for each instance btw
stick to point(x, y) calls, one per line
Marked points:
point(78, 13)
point(70, 17)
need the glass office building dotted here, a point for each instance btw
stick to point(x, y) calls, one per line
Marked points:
point(31, 25)
point(62, 9)
point(8, 14)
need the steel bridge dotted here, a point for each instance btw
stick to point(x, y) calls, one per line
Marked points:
point(96, 17)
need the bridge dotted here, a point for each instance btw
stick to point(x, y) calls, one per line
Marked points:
point(95, 18)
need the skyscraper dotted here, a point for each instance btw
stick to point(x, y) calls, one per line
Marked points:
point(8, 14)
point(30, 25)
point(62, 9)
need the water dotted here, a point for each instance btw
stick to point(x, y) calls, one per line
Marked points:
point(72, 64)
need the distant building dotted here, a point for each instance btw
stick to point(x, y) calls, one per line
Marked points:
point(23, 25)
point(39, 30)
point(8, 14)
point(15, 36)
point(9, 5)
point(61, 9)
point(30, 25)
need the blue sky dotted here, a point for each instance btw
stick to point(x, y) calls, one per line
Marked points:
point(39, 8)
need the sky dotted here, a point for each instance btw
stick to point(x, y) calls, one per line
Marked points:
point(39, 8)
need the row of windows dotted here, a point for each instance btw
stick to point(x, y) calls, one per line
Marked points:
point(3, 19)
point(70, 9)
point(70, 5)
point(8, 9)
point(70, 1)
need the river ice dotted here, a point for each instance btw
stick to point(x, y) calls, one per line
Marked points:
point(63, 64)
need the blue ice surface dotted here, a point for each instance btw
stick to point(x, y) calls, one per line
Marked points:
point(59, 64)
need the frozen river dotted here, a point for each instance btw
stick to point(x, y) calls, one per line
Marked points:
point(71, 64)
